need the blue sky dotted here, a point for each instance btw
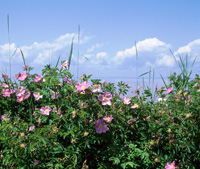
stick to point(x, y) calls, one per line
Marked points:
point(108, 33)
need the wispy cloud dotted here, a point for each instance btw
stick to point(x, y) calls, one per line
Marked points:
point(39, 54)
point(96, 46)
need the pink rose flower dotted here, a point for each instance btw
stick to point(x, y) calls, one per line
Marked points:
point(107, 118)
point(4, 117)
point(105, 98)
point(82, 86)
point(170, 165)
point(6, 92)
point(21, 76)
point(126, 100)
point(169, 90)
point(45, 110)
point(37, 78)
point(31, 128)
point(20, 91)
point(64, 64)
point(101, 127)
point(36, 162)
point(37, 96)
point(96, 88)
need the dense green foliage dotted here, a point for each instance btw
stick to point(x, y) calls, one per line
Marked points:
point(142, 133)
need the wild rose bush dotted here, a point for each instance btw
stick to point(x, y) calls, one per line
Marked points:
point(49, 120)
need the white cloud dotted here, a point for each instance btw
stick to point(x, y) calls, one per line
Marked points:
point(165, 60)
point(147, 45)
point(101, 55)
point(192, 49)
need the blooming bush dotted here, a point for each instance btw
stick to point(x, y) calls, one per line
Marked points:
point(53, 121)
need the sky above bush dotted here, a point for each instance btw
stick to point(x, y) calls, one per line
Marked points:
point(110, 31)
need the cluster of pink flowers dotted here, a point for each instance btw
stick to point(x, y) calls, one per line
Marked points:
point(81, 87)
point(22, 94)
point(21, 76)
point(7, 92)
point(4, 76)
point(105, 98)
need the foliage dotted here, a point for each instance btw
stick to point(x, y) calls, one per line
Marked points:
point(141, 133)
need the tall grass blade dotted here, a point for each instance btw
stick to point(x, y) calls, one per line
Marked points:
point(8, 25)
point(78, 51)
point(164, 81)
point(136, 53)
point(145, 73)
point(58, 61)
point(23, 57)
point(70, 55)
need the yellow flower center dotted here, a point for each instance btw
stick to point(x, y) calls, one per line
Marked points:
point(46, 111)
point(100, 126)
point(107, 118)
point(171, 166)
point(105, 99)
point(23, 76)
point(82, 87)
point(95, 86)
point(6, 93)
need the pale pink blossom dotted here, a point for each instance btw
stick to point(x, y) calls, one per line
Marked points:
point(4, 117)
point(21, 76)
point(6, 92)
point(170, 165)
point(31, 128)
point(20, 91)
point(64, 64)
point(101, 127)
point(5, 85)
point(20, 98)
point(6, 76)
point(96, 88)
point(81, 87)
point(45, 110)
point(105, 98)
point(27, 95)
point(36, 162)
point(134, 106)
point(169, 90)
point(37, 96)
point(25, 66)
point(37, 78)
point(126, 100)
point(66, 80)
point(12, 91)
point(23, 97)
point(108, 118)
